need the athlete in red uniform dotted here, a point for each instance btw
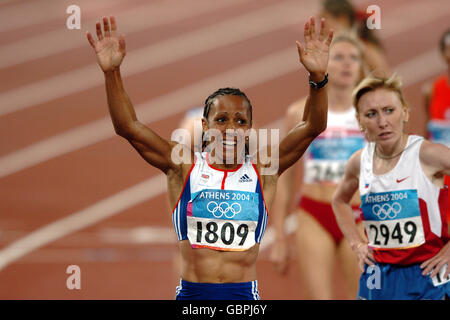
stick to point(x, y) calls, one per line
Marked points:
point(318, 239)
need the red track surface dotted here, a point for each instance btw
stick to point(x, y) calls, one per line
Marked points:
point(113, 267)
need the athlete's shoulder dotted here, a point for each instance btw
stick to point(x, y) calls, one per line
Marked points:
point(353, 165)
point(296, 107)
point(434, 154)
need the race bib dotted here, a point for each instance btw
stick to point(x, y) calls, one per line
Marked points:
point(439, 278)
point(324, 171)
point(328, 154)
point(392, 219)
point(223, 219)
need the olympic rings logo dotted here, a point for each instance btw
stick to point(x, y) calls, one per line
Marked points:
point(386, 210)
point(224, 208)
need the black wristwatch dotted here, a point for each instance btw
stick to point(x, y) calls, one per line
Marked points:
point(318, 85)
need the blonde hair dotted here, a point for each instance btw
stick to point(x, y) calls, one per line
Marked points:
point(371, 83)
point(348, 36)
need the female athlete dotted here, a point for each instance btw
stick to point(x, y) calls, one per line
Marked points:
point(219, 212)
point(400, 178)
point(318, 238)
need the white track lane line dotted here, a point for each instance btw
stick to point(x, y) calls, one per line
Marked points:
point(168, 51)
point(132, 20)
point(251, 74)
point(233, 30)
point(37, 12)
point(91, 215)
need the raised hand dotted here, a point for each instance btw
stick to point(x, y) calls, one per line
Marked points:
point(314, 53)
point(109, 48)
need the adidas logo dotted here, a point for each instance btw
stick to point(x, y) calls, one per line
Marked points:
point(245, 178)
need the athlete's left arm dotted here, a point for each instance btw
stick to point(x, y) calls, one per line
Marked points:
point(436, 157)
point(314, 57)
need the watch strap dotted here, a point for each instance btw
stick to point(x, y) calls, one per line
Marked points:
point(318, 85)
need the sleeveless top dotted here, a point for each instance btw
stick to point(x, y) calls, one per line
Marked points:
point(221, 209)
point(439, 123)
point(403, 211)
point(327, 155)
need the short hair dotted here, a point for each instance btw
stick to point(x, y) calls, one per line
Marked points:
point(371, 83)
point(445, 40)
point(224, 92)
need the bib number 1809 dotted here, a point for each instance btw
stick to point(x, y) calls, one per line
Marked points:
point(210, 233)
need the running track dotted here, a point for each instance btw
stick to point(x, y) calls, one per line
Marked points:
point(73, 193)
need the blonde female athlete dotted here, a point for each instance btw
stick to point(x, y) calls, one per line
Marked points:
point(318, 238)
point(403, 200)
point(219, 212)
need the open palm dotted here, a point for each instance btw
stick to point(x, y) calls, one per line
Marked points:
point(109, 48)
point(314, 53)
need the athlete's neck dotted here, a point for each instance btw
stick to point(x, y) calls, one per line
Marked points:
point(393, 151)
point(224, 164)
point(339, 98)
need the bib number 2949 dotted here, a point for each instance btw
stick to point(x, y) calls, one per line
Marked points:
point(401, 233)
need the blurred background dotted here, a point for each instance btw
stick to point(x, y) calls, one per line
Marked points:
point(74, 193)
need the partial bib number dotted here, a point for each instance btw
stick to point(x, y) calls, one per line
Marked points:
point(221, 234)
point(324, 171)
point(399, 233)
point(439, 278)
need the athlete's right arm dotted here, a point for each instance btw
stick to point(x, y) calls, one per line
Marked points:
point(110, 51)
point(343, 210)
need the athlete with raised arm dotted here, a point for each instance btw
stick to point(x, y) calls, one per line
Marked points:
point(219, 213)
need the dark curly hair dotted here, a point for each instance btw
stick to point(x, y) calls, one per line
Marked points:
point(225, 92)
